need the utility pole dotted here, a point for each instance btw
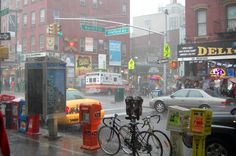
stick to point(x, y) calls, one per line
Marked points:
point(164, 65)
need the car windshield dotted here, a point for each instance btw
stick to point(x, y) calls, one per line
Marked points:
point(73, 95)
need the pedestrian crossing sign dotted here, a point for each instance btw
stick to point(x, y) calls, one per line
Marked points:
point(166, 51)
point(131, 64)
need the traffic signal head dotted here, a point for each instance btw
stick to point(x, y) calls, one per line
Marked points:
point(58, 29)
point(71, 43)
point(173, 64)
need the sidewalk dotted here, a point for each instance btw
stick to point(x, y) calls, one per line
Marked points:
point(39, 145)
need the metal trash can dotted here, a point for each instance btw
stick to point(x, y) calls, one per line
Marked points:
point(119, 95)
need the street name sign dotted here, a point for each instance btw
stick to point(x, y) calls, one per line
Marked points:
point(5, 36)
point(4, 12)
point(92, 28)
point(117, 31)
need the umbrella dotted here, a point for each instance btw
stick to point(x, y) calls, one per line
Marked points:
point(155, 77)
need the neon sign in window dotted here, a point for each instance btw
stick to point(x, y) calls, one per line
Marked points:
point(218, 72)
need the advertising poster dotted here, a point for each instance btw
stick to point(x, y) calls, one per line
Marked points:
point(56, 94)
point(102, 61)
point(83, 64)
point(114, 53)
point(89, 44)
point(69, 59)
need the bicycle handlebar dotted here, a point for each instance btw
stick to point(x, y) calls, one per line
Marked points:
point(112, 118)
point(146, 120)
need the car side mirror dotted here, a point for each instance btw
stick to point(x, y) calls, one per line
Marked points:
point(172, 96)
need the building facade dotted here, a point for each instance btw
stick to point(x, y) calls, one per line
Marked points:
point(210, 38)
point(84, 44)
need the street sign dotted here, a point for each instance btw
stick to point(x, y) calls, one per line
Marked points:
point(92, 28)
point(166, 51)
point(5, 36)
point(162, 61)
point(4, 12)
point(117, 31)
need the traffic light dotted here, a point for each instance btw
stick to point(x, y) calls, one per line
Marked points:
point(58, 29)
point(173, 64)
point(51, 29)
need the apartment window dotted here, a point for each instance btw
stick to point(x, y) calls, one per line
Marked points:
point(24, 20)
point(33, 1)
point(33, 18)
point(24, 44)
point(41, 42)
point(25, 2)
point(56, 13)
point(201, 22)
point(231, 18)
point(42, 16)
point(124, 9)
point(32, 43)
point(82, 45)
point(95, 3)
point(83, 3)
point(95, 45)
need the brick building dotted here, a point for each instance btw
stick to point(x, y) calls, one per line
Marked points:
point(80, 41)
point(210, 38)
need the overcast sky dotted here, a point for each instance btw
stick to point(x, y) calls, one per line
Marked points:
point(143, 7)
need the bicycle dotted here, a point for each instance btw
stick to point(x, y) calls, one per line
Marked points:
point(108, 136)
point(109, 139)
point(165, 141)
point(139, 142)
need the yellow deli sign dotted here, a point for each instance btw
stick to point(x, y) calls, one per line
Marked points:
point(211, 51)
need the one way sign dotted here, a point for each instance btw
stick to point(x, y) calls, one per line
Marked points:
point(5, 36)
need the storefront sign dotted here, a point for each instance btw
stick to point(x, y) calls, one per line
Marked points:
point(206, 51)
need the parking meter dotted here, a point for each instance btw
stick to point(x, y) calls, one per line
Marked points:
point(138, 101)
point(129, 105)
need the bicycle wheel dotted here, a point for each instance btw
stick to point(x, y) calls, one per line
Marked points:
point(165, 141)
point(150, 144)
point(125, 139)
point(109, 140)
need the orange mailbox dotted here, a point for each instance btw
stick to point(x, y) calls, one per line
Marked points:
point(90, 118)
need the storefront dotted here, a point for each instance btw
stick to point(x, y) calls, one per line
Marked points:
point(214, 59)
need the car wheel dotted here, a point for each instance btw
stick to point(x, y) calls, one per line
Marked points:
point(159, 106)
point(204, 106)
point(216, 147)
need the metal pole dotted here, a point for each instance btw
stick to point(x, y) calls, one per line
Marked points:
point(164, 65)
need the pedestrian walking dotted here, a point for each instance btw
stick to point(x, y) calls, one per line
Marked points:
point(4, 144)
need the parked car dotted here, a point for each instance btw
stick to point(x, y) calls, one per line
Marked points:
point(222, 139)
point(190, 98)
point(73, 100)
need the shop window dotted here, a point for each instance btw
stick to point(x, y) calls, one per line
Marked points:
point(201, 22)
point(231, 18)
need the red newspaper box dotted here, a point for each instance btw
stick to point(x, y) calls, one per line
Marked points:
point(90, 118)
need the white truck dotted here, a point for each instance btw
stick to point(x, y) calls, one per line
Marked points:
point(103, 82)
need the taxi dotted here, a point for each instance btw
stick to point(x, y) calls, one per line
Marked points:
point(73, 100)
